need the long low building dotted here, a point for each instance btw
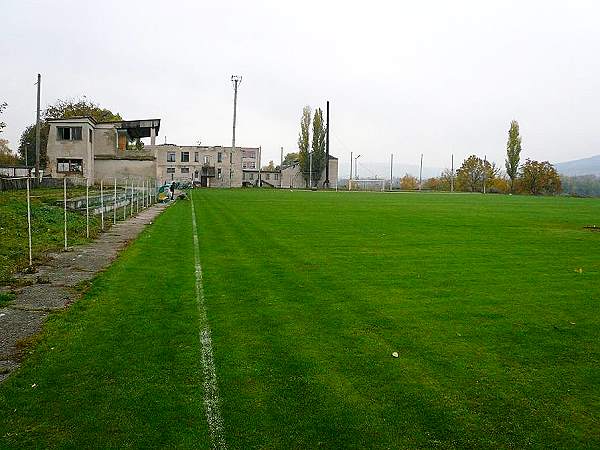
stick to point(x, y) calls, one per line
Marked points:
point(81, 147)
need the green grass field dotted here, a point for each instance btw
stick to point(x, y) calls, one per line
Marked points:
point(492, 303)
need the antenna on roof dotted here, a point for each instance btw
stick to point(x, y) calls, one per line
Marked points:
point(165, 140)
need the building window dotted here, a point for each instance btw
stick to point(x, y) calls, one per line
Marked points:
point(250, 165)
point(196, 157)
point(206, 159)
point(69, 133)
point(219, 157)
point(170, 156)
point(185, 170)
point(185, 156)
point(90, 135)
point(276, 176)
point(231, 158)
point(170, 169)
point(251, 176)
point(219, 173)
point(249, 154)
point(268, 176)
point(69, 165)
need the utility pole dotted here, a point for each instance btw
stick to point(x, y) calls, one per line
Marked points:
point(327, 150)
point(391, 170)
point(421, 173)
point(310, 170)
point(37, 128)
point(484, 170)
point(350, 179)
point(236, 79)
point(452, 175)
point(259, 164)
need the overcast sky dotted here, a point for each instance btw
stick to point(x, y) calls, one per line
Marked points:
point(402, 77)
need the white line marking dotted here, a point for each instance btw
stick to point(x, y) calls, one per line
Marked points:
point(211, 388)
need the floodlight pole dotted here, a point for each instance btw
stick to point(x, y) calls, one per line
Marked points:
point(37, 128)
point(327, 150)
point(452, 175)
point(236, 79)
point(391, 170)
point(421, 173)
point(350, 179)
point(356, 167)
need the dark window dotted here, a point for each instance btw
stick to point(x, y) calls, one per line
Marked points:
point(196, 157)
point(69, 133)
point(90, 135)
point(268, 176)
point(64, 165)
point(219, 173)
point(251, 175)
point(230, 158)
point(185, 156)
point(185, 170)
point(219, 157)
point(170, 169)
point(170, 156)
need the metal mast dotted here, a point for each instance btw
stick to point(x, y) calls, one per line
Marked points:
point(37, 129)
point(236, 79)
point(327, 150)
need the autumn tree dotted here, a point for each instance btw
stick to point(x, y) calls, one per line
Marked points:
point(304, 142)
point(7, 157)
point(539, 178)
point(62, 109)
point(408, 183)
point(513, 153)
point(473, 172)
point(269, 167)
point(290, 159)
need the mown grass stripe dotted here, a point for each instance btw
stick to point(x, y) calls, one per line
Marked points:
point(211, 387)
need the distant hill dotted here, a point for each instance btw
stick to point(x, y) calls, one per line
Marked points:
point(585, 166)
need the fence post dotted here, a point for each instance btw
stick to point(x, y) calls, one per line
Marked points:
point(125, 205)
point(115, 205)
point(102, 203)
point(29, 222)
point(131, 204)
point(65, 208)
point(87, 208)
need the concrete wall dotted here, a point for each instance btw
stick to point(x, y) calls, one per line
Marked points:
point(291, 177)
point(105, 140)
point(124, 169)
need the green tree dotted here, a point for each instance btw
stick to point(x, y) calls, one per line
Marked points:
point(2, 108)
point(539, 178)
point(290, 159)
point(304, 142)
point(62, 109)
point(472, 173)
point(513, 153)
point(318, 146)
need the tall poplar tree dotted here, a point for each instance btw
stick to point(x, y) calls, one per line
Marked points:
point(318, 146)
point(513, 153)
point(304, 142)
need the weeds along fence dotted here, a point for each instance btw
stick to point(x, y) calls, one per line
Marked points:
point(86, 208)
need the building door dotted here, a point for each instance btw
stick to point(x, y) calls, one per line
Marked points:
point(204, 181)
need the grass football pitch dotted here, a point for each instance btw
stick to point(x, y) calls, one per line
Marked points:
point(492, 304)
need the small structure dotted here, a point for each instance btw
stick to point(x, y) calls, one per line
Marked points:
point(291, 176)
point(82, 147)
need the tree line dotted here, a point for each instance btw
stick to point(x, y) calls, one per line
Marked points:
point(479, 175)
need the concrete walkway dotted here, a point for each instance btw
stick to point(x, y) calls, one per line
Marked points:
point(52, 287)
